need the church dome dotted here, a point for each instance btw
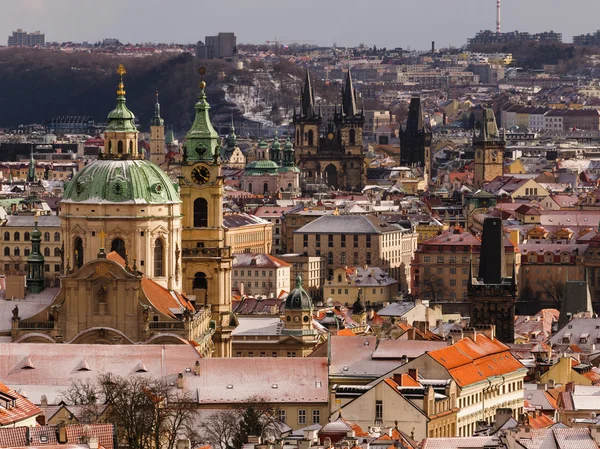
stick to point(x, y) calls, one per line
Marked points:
point(261, 166)
point(358, 307)
point(121, 181)
point(298, 299)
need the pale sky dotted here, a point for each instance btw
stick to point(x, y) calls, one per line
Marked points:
point(385, 23)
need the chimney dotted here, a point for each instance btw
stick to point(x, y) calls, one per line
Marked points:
point(93, 443)
point(253, 439)
point(470, 333)
point(551, 383)
point(44, 401)
point(398, 378)
point(197, 368)
point(183, 444)
point(570, 387)
point(180, 380)
point(421, 325)
point(414, 373)
point(327, 443)
point(241, 289)
point(489, 330)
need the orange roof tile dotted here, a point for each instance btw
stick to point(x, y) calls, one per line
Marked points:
point(346, 333)
point(407, 381)
point(470, 361)
point(115, 257)
point(23, 409)
point(162, 299)
point(540, 422)
point(551, 400)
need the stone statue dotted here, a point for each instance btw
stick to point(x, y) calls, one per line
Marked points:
point(15, 313)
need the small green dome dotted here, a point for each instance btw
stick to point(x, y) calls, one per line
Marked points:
point(262, 144)
point(262, 166)
point(276, 145)
point(288, 168)
point(121, 181)
point(298, 299)
point(288, 145)
point(121, 119)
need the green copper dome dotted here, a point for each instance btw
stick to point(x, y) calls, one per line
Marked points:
point(260, 167)
point(298, 299)
point(202, 141)
point(121, 181)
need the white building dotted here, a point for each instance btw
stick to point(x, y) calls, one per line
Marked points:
point(260, 274)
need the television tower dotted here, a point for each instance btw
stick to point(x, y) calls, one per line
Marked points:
point(498, 29)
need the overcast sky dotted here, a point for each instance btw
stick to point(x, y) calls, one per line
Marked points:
point(385, 23)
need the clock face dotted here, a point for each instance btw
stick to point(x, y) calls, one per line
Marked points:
point(200, 174)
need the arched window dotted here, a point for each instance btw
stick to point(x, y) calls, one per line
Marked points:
point(17, 252)
point(311, 137)
point(120, 147)
point(26, 251)
point(78, 252)
point(7, 236)
point(339, 278)
point(57, 236)
point(57, 252)
point(17, 236)
point(158, 258)
point(26, 236)
point(118, 245)
point(7, 251)
point(200, 281)
point(110, 146)
point(352, 137)
point(131, 146)
point(249, 187)
point(46, 252)
point(266, 187)
point(200, 213)
point(297, 137)
point(46, 236)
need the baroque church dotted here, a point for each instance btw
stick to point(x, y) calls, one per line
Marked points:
point(145, 259)
point(331, 151)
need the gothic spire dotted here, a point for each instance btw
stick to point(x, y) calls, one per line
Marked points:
point(349, 97)
point(308, 97)
point(414, 122)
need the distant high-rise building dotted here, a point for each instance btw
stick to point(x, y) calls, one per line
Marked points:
point(492, 37)
point(22, 38)
point(587, 39)
point(222, 46)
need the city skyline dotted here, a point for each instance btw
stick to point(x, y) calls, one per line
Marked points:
point(390, 23)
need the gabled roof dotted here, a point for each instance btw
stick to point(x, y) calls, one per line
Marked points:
point(21, 410)
point(469, 361)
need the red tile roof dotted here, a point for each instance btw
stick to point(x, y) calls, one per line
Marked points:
point(20, 411)
point(469, 361)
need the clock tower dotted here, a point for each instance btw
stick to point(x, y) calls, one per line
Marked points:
point(489, 150)
point(206, 261)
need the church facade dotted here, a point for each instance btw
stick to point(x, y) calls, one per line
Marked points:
point(331, 152)
point(145, 259)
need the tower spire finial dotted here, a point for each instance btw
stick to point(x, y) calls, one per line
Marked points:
point(121, 71)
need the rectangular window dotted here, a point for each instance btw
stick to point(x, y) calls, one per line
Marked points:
point(330, 240)
point(355, 259)
point(343, 237)
point(264, 273)
point(281, 415)
point(368, 258)
point(452, 282)
point(301, 416)
point(426, 259)
point(440, 259)
point(316, 416)
point(57, 268)
point(356, 241)
point(345, 291)
point(318, 240)
point(241, 272)
point(343, 258)
point(273, 354)
point(378, 410)
point(305, 239)
point(368, 241)
point(47, 267)
point(238, 354)
point(452, 270)
point(250, 354)
point(440, 270)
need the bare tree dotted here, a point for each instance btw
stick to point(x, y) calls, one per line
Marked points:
point(147, 413)
point(554, 290)
point(433, 284)
point(219, 428)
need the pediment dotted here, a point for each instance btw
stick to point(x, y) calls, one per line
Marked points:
point(160, 230)
point(102, 269)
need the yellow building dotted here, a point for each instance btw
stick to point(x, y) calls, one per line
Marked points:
point(207, 257)
point(245, 233)
point(569, 369)
point(372, 283)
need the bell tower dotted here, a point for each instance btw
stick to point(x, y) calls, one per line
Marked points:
point(489, 150)
point(307, 121)
point(206, 261)
point(157, 136)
